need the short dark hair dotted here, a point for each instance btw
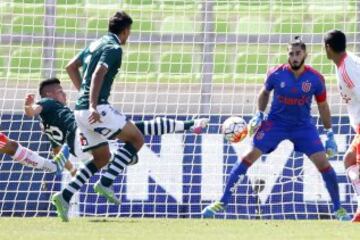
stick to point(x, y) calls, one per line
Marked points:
point(120, 21)
point(45, 83)
point(336, 39)
point(297, 41)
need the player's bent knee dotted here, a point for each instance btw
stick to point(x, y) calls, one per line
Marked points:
point(137, 141)
point(320, 160)
point(249, 159)
point(101, 156)
point(10, 147)
point(353, 172)
point(252, 156)
point(321, 165)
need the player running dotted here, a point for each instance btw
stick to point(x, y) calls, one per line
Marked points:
point(294, 86)
point(58, 121)
point(348, 80)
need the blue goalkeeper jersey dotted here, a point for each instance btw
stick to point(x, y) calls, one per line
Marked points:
point(291, 103)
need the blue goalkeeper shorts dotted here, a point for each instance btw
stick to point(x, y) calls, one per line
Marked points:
point(305, 138)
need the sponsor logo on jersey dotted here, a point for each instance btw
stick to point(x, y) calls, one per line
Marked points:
point(306, 86)
point(293, 101)
point(282, 84)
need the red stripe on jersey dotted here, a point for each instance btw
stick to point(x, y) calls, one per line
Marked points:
point(341, 70)
point(313, 70)
point(346, 77)
point(343, 76)
point(321, 97)
point(342, 59)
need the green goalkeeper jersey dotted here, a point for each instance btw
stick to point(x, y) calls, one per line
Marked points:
point(105, 51)
point(58, 123)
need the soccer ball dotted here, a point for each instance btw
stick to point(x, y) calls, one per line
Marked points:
point(234, 129)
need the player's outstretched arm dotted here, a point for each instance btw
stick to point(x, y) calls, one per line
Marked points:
point(31, 109)
point(72, 69)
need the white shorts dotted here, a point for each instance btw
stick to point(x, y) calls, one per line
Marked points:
point(79, 154)
point(97, 134)
point(83, 157)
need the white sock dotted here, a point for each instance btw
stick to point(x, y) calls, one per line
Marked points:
point(179, 126)
point(31, 159)
point(353, 173)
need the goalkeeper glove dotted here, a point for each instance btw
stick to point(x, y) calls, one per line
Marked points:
point(255, 122)
point(330, 144)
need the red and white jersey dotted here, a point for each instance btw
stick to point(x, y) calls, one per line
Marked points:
point(348, 79)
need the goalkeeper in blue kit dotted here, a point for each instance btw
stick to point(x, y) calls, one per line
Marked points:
point(294, 85)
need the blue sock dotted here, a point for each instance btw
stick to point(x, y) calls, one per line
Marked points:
point(332, 186)
point(237, 170)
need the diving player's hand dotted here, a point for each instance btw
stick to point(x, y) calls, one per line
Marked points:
point(330, 144)
point(94, 116)
point(255, 122)
point(29, 100)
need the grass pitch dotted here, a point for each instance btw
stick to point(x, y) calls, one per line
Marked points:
point(174, 229)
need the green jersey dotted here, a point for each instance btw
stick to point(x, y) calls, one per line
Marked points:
point(58, 123)
point(105, 51)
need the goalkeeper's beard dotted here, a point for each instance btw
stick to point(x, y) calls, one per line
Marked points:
point(296, 67)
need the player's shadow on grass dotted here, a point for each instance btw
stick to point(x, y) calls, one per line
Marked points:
point(103, 220)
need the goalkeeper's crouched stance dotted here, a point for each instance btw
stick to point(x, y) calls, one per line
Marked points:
point(32, 159)
point(294, 85)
